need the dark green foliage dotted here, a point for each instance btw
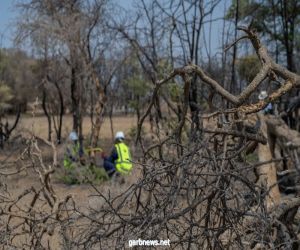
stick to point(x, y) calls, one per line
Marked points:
point(81, 174)
point(251, 158)
point(246, 9)
point(276, 20)
point(16, 73)
point(248, 67)
point(175, 92)
point(138, 88)
point(5, 97)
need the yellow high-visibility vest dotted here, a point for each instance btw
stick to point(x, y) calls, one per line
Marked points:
point(71, 156)
point(123, 163)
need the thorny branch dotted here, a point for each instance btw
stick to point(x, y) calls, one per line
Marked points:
point(269, 69)
point(196, 188)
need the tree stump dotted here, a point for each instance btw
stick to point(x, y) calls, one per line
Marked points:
point(267, 172)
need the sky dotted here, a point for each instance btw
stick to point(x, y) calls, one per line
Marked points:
point(7, 15)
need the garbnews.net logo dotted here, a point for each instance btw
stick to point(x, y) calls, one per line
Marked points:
point(140, 242)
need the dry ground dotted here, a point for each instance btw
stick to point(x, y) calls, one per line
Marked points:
point(82, 194)
point(39, 125)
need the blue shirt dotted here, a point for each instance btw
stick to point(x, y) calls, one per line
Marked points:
point(269, 108)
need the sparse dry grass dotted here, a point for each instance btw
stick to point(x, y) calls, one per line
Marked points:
point(39, 125)
point(83, 195)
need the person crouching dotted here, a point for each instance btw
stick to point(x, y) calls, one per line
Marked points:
point(119, 160)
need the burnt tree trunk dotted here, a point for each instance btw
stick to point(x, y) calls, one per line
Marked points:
point(75, 101)
point(193, 98)
point(44, 106)
point(61, 113)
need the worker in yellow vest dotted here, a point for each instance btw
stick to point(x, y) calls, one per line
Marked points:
point(119, 160)
point(74, 153)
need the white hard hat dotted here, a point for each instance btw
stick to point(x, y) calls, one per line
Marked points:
point(263, 95)
point(73, 136)
point(120, 135)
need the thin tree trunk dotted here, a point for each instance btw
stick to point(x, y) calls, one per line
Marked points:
point(111, 122)
point(74, 97)
point(138, 113)
point(193, 98)
point(44, 105)
point(99, 109)
point(233, 78)
point(61, 112)
point(1, 135)
point(288, 34)
point(9, 130)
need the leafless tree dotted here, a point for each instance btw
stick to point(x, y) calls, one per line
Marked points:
point(81, 35)
point(195, 185)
